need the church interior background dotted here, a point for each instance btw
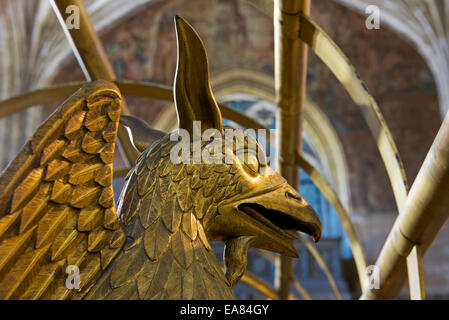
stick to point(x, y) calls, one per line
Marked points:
point(403, 64)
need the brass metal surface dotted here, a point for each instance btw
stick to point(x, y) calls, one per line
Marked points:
point(302, 291)
point(58, 204)
point(323, 186)
point(193, 95)
point(259, 285)
point(415, 274)
point(262, 287)
point(424, 214)
point(59, 92)
point(319, 259)
point(151, 90)
point(142, 136)
point(345, 72)
point(85, 42)
point(92, 58)
point(40, 96)
point(133, 88)
point(57, 207)
point(339, 64)
point(290, 86)
point(345, 219)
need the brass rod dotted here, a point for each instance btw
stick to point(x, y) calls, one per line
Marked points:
point(319, 259)
point(339, 64)
point(415, 274)
point(345, 219)
point(259, 285)
point(92, 57)
point(51, 94)
point(327, 50)
point(424, 215)
point(290, 85)
point(302, 291)
point(85, 42)
point(59, 92)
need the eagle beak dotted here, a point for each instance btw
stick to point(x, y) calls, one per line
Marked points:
point(268, 217)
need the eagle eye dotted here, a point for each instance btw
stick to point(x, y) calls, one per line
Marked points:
point(249, 162)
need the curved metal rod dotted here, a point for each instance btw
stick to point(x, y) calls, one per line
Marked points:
point(41, 96)
point(302, 291)
point(271, 258)
point(60, 92)
point(267, 255)
point(345, 72)
point(326, 49)
point(316, 254)
point(138, 89)
point(331, 196)
point(259, 285)
point(157, 91)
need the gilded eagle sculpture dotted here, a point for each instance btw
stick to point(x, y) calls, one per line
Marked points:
point(57, 202)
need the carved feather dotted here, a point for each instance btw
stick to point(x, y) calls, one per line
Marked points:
point(168, 247)
point(57, 203)
point(49, 207)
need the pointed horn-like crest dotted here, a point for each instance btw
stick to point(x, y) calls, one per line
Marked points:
point(194, 100)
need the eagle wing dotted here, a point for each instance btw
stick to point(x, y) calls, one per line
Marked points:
point(57, 202)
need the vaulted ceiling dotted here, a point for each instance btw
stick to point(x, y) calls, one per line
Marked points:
point(32, 46)
point(426, 24)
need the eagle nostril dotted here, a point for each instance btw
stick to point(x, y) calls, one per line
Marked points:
point(294, 196)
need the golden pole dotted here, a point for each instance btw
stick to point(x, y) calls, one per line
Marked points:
point(92, 58)
point(290, 84)
point(415, 274)
point(425, 212)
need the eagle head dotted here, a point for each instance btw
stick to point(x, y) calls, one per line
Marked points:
point(225, 176)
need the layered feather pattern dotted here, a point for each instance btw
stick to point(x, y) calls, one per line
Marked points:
point(57, 205)
point(165, 208)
